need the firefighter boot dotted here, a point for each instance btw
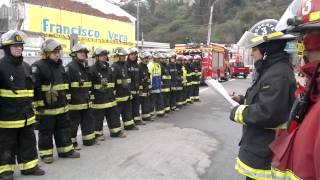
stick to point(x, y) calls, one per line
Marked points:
point(131, 128)
point(75, 154)
point(6, 176)
point(118, 135)
point(101, 138)
point(35, 172)
point(48, 160)
point(140, 122)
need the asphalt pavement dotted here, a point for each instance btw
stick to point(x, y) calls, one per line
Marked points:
point(198, 142)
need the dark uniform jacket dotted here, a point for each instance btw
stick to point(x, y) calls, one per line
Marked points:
point(179, 77)
point(79, 84)
point(174, 76)
point(196, 67)
point(166, 78)
point(50, 80)
point(265, 107)
point(103, 82)
point(123, 81)
point(145, 85)
point(133, 72)
point(16, 92)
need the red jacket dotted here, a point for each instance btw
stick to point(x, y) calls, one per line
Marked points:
point(297, 154)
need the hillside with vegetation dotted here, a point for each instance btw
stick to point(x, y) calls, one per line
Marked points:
point(174, 21)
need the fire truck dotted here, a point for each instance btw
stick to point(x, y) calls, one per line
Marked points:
point(237, 67)
point(215, 59)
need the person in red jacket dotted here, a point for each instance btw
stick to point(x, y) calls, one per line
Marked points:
point(297, 152)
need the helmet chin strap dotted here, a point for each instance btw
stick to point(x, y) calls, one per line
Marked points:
point(264, 56)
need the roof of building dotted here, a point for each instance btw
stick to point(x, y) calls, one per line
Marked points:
point(83, 7)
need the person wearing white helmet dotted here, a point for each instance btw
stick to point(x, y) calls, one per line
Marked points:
point(51, 104)
point(133, 72)
point(156, 98)
point(180, 81)
point(145, 86)
point(104, 103)
point(166, 82)
point(17, 119)
point(123, 88)
point(79, 101)
point(196, 66)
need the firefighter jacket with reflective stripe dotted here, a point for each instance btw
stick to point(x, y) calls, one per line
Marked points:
point(174, 76)
point(103, 82)
point(179, 76)
point(155, 76)
point(166, 78)
point(267, 106)
point(16, 93)
point(123, 81)
point(196, 68)
point(144, 79)
point(296, 154)
point(189, 74)
point(51, 82)
point(79, 84)
point(133, 72)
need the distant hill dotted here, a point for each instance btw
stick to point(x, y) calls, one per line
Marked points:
point(176, 21)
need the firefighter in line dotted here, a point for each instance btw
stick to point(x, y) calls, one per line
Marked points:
point(122, 88)
point(104, 103)
point(133, 72)
point(300, 159)
point(180, 82)
point(267, 103)
point(196, 66)
point(156, 96)
point(17, 119)
point(145, 86)
point(79, 98)
point(184, 80)
point(166, 82)
point(189, 79)
point(174, 82)
point(51, 104)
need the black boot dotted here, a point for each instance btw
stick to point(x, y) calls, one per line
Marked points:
point(35, 172)
point(6, 175)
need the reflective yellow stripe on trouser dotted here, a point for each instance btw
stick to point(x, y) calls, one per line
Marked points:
point(115, 130)
point(104, 106)
point(7, 167)
point(281, 175)
point(75, 107)
point(65, 149)
point(248, 171)
point(53, 111)
point(48, 152)
point(28, 165)
point(58, 87)
point(88, 137)
point(17, 123)
point(129, 123)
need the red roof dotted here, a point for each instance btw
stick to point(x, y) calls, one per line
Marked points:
point(75, 6)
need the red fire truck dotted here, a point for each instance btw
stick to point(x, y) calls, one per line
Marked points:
point(215, 59)
point(237, 67)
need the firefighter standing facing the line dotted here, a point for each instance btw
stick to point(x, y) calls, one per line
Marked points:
point(104, 103)
point(17, 119)
point(196, 66)
point(174, 81)
point(166, 82)
point(51, 104)
point(180, 81)
point(79, 97)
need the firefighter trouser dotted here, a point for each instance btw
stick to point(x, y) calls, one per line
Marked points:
point(125, 110)
point(189, 93)
point(166, 101)
point(113, 119)
point(195, 94)
point(185, 94)
point(85, 119)
point(180, 98)
point(145, 107)
point(157, 104)
point(59, 127)
point(136, 108)
point(20, 143)
point(173, 99)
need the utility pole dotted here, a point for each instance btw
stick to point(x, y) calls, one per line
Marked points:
point(210, 23)
point(138, 21)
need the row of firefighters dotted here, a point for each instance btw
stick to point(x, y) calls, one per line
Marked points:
point(59, 98)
